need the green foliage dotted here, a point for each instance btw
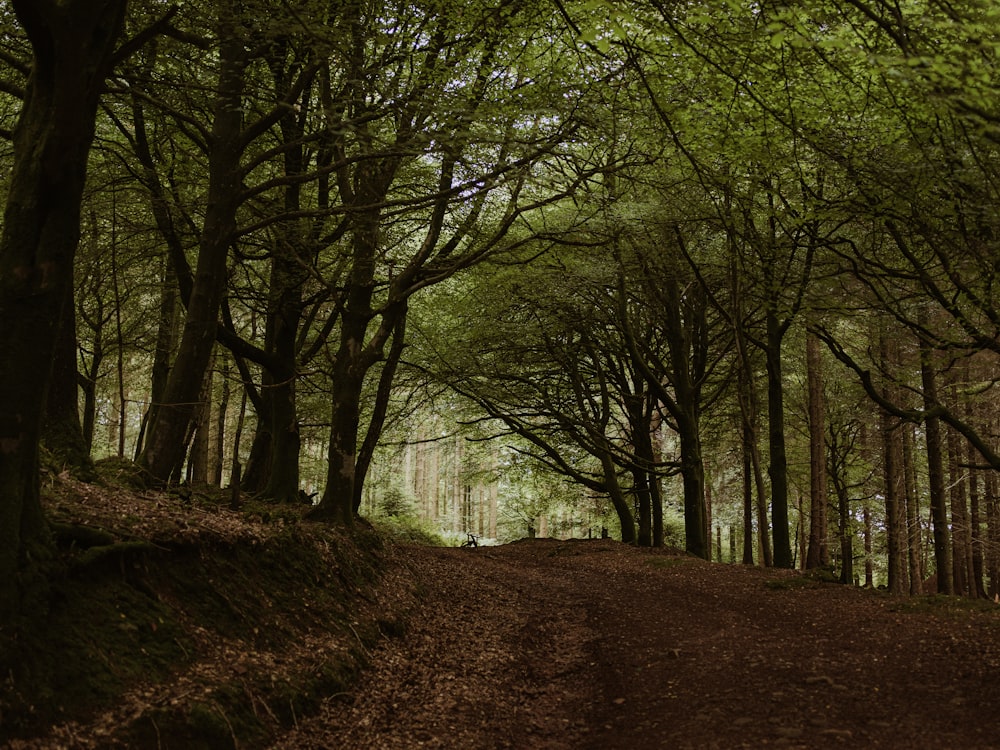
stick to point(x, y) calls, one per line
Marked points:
point(413, 530)
point(395, 503)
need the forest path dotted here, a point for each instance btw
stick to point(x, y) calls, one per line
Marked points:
point(557, 645)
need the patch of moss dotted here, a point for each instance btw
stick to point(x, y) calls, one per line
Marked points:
point(198, 726)
point(662, 561)
point(951, 606)
point(131, 613)
point(121, 472)
point(100, 635)
point(791, 583)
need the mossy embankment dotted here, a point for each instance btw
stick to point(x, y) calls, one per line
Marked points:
point(172, 621)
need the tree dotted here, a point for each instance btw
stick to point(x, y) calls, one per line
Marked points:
point(163, 450)
point(442, 172)
point(74, 46)
point(818, 555)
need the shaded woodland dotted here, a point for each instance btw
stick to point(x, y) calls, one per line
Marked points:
point(717, 268)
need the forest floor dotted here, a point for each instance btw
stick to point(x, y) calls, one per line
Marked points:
point(592, 644)
point(200, 627)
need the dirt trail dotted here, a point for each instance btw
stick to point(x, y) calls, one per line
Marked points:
point(595, 645)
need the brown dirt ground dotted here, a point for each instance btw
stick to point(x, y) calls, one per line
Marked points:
point(591, 644)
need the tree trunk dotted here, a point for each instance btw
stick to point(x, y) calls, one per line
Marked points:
point(618, 500)
point(166, 340)
point(975, 521)
point(62, 432)
point(170, 422)
point(289, 271)
point(845, 532)
point(258, 464)
point(644, 509)
point(992, 546)
point(355, 356)
point(219, 449)
point(892, 454)
point(747, 498)
point(818, 554)
point(778, 467)
point(381, 407)
point(961, 529)
point(914, 533)
point(655, 482)
point(198, 460)
point(696, 539)
point(869, 568)
point(935, 477)
point(73, 43)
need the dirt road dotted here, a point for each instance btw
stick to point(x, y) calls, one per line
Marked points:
point(557, 645)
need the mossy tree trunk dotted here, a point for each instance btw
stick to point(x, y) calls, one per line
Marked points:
point(73, 43)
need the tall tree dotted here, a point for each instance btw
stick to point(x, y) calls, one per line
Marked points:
point(74, 46)
point(171, 419)
point(452, 132)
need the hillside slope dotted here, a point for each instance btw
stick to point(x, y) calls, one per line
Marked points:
point(175, 622)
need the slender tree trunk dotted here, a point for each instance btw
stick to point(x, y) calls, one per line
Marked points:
point(119, 334)
point(935, 477)
point(381, 406)
point(235, 475)
point(992, 535)
point(618, 500)
point(763, 528)
point(644, 510)
point(747, 498)
point(166, 340)
point(895, 510)
point(198, 459)
point(73, 43)
point(869, 568)
point(778, 467)
point(977, 588)
point(845, 532)
point(639, 426)
point(655, 482)
point(818, 554)
point(914, 533)
point(219, 451)
point(961, 529)
point(88, 385)
point(163, 452)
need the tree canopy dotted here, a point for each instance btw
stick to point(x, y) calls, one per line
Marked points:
point(735, 258)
